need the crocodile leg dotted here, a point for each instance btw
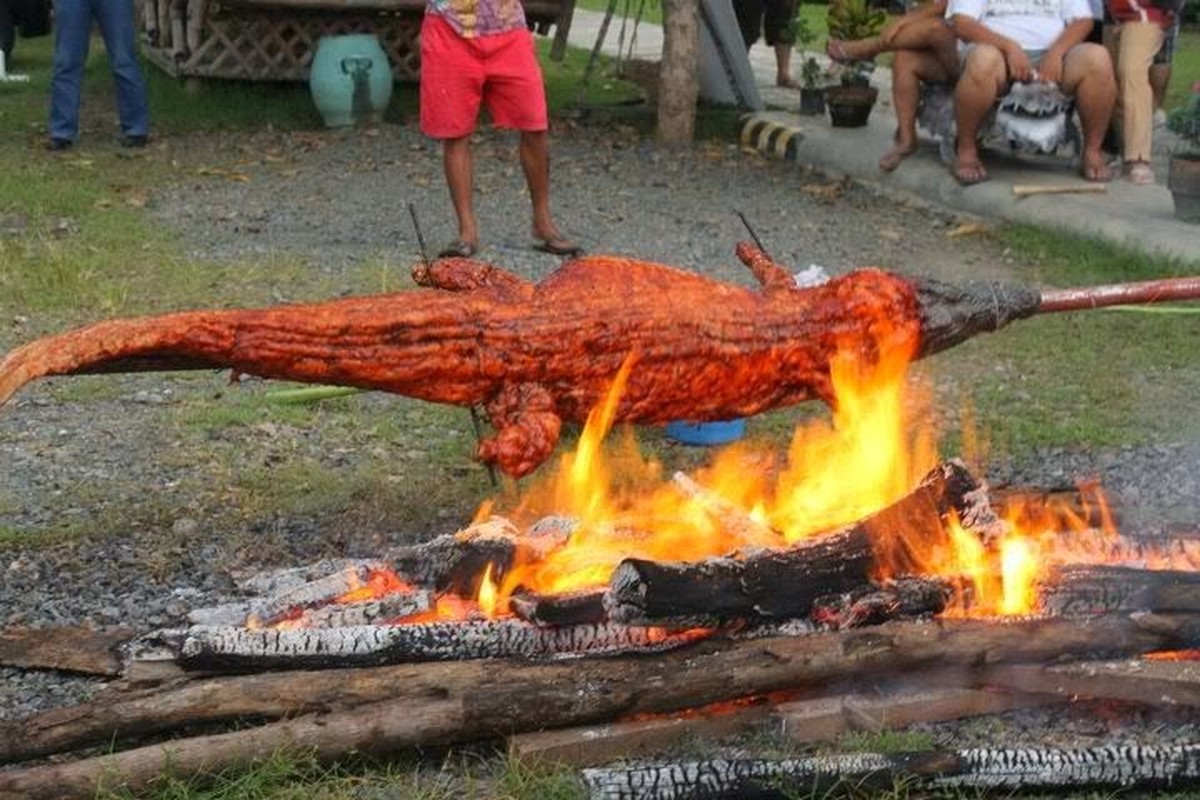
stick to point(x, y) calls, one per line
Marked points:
point(770, 275)
point(527, 427)
point(465, 274)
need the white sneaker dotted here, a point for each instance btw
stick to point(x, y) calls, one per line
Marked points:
point(1160, 118)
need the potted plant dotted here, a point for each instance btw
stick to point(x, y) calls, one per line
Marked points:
point(1183, 176)
point(850, 102)
point(812, 93)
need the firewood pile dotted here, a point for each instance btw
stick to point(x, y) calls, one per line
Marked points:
point(406, 650)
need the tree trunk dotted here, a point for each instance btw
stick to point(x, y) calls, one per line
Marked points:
point(678, 84)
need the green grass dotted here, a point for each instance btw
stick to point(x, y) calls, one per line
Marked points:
point(299, 776)
point(1185, 67)
point(1097, 378)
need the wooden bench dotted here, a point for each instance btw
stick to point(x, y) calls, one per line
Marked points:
point(274, 40)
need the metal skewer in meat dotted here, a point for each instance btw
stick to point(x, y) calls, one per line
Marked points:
point(537, 354)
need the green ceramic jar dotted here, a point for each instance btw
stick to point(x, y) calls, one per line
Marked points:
point(350, 80)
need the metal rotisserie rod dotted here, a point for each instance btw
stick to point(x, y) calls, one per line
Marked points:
point(1164, 290)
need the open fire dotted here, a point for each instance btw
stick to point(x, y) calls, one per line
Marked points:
point(768, 564)
point(601, 507)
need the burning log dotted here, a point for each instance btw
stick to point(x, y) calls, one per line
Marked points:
point(309, 595)
point(455, 562)
point(535, 355)
point(274, 582)
point(732, 520)
point(236, 648)
point(784, 583)
point(367, 612)
point(1010, 770)
point(566, 608)
point(715, 591)
point(904, 598)
point(415, 705)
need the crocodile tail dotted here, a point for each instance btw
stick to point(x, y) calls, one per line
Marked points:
point(187, 340)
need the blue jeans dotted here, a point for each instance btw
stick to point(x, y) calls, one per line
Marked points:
point(72, 33)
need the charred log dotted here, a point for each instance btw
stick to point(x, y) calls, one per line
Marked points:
point(1027, 769)
point(286, 604)
point(567, 608)
point(715, 591)
point(903, 598)
point(1087, 590)
point(456, 562)
point(784, 583)
point(270, 583)
point(367, 612)
point(240, 649)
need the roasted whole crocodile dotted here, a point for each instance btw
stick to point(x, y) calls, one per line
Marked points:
point(537, 354)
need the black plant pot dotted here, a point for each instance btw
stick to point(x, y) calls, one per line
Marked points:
point(812, 101)
point(1183, 179)
point(850, 106)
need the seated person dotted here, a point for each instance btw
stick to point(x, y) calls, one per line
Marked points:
point(1029, 40)
point(925, 50)
point(1134, 40)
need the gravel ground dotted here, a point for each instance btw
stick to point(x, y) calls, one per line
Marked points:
point(336, 201)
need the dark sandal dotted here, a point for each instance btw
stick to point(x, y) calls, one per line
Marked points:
point(559, 247)
point(458, 249)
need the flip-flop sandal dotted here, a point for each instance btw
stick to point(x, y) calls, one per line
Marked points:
point(458, 249)
point(559, 247)
point(1139, 173)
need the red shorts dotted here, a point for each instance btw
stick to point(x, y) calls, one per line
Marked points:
point(500, 70)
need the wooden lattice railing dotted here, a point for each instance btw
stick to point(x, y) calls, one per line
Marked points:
point(275, 40)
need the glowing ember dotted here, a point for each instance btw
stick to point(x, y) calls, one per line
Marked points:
point(380, 583)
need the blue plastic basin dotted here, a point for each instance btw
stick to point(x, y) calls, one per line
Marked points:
point(706, 433)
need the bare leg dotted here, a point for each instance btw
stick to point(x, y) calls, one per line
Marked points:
point(933, 35)
point(535, 161)
point(783, 66)
point(854, 50)
point(457, 163)
point(1160, 79)
point(909, 69)
point(983, 79)
point(1088, 75)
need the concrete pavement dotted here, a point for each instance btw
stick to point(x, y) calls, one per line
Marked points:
point(1140, 217)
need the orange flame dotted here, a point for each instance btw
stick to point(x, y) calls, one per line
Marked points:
point(488, 598)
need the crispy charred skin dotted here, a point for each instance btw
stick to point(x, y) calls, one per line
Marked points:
point(532, 354)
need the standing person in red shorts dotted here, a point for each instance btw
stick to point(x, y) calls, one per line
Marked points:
point(480, 51)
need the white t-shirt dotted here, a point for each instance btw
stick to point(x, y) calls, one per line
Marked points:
point(1033, 24)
